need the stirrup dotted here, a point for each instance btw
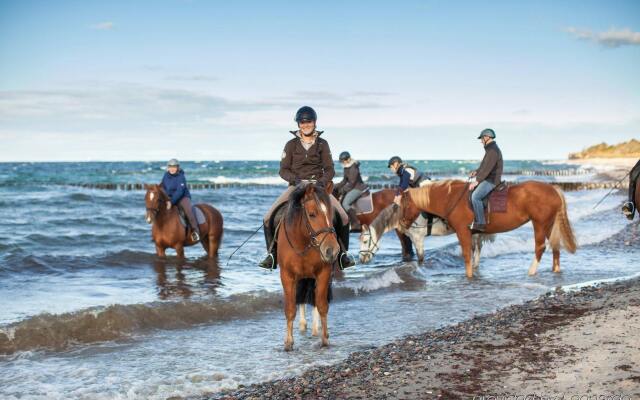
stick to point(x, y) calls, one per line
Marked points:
point(348, 264)
point(269, 262)
point(195, 236)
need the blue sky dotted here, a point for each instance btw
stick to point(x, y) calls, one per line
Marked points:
point(151, 80)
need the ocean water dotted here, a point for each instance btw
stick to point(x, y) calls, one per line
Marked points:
point(87, 310)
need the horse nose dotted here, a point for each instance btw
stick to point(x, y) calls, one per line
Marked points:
point(329, 254)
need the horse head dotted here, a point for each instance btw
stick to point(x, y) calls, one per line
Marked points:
point(368, 244)
point(312, 203)
point(153, 201)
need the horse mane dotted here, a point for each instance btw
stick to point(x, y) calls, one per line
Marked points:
point(295, 207)
point(387, 219)
point(420, 196)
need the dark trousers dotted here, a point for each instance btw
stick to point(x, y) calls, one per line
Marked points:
point(187, 207)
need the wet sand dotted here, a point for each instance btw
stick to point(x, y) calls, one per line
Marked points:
point(576, 342)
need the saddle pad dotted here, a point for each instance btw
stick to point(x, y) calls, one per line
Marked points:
point(199, 216)
point(364, 205)
point(498, 199)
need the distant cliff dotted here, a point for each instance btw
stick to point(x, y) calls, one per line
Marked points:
point(603, 150)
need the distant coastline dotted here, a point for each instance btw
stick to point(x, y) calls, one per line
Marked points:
point(630, 149)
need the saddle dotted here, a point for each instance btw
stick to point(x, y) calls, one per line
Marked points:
point(196, 211)
point(496, 200)
point(364, 203)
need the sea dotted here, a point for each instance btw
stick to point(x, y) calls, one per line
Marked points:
point(87, 310)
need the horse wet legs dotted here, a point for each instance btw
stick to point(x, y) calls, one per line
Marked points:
point(289, 286)
point(464, 237)
point(556, 261)
point(407, 249)
point(323, 280)
point(160, 251)
point(540, 236)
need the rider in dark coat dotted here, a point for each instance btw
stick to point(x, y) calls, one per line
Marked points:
point(351, 187)
point(409, 176)
point(629, 208)
point(306, 157)
point(175, 186)
point(488, 176)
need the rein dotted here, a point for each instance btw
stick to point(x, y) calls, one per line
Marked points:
point(313, 234)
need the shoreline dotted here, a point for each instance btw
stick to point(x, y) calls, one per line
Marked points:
point(566, 342)
point(608, 168)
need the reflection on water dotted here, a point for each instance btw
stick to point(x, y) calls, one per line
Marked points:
point(172, 280)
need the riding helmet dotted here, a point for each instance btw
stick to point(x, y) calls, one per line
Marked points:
point(173, 163)
point(306, 114)
point(394, 159)
point(487, 132)
point(344, 156)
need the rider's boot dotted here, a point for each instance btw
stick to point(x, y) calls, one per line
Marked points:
point(628, 209)
point(353, 220)
point(344, 260)
point(270, 261)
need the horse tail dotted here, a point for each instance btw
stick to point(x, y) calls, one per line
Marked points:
point(306, 292)
point(561, 232)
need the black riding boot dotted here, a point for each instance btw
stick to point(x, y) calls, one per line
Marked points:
point(353, 220)
point(344, 260)
point(270, 261)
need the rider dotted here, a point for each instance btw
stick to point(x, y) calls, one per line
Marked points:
point(306, 157)
point(628, 208)
point(409, 176)
point(174, 184)
point(488, 176)
point(351, 186)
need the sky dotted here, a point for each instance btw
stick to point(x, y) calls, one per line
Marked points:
point(216, 80)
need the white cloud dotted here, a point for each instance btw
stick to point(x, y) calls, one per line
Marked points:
point(612, 38)
point(103, 26)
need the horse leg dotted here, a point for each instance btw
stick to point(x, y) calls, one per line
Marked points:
point(289, 287)
point(540, 239)
point(303, 320)
point(205, 245)
point(405, 243)
point(323, 279)
point(160, 251)
point(477, 248)
point(464, 237)
point(180, 251)
point(315, 322)
point(419, 243)
point(556, 260)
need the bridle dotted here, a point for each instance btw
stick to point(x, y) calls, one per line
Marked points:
point(371, 249)
point(313, 234)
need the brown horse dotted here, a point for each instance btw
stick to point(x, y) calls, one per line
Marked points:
point(541, 203)
point(636, 200)
point(168, 232)
point(307, 248)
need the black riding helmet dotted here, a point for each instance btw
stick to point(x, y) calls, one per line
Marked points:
point(487, 132)
point(306, 114)
point(344, 156)
point(394, 159)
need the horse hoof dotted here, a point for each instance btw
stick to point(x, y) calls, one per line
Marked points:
point(303, 327)
point(325, 343)
point(288, 346)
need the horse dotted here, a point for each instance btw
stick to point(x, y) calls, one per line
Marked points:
point(541, 203)
point(307, 249)
point(389, 219)
point(168, 232)
point(380, 201)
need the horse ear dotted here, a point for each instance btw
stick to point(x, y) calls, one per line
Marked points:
point(329, 187)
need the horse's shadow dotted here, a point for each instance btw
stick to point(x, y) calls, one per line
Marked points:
point(175, 278)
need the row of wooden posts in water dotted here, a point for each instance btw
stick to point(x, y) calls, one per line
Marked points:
point(565, 186)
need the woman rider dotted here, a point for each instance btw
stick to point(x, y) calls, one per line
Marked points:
point(174, 183)
point(409, 176)
point(306, 157)
point(352, 186)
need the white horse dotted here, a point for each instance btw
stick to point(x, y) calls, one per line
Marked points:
point(389, 219)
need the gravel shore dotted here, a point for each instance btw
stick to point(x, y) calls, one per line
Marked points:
point(564, 343)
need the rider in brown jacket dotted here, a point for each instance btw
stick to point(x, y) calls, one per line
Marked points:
point(306, 157)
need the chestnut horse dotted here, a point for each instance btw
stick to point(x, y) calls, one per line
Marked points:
point(541, 203)
point(168, 232)
point(307, 248)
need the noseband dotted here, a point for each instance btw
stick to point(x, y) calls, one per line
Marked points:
point(372, 248)
point(313, 234)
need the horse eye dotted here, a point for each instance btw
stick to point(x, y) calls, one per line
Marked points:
point(312, 215)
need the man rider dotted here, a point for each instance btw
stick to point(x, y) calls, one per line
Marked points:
point(409, 176)
point(488, 176)
point(629, 208)
point(352, 186)
point(306, 157)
